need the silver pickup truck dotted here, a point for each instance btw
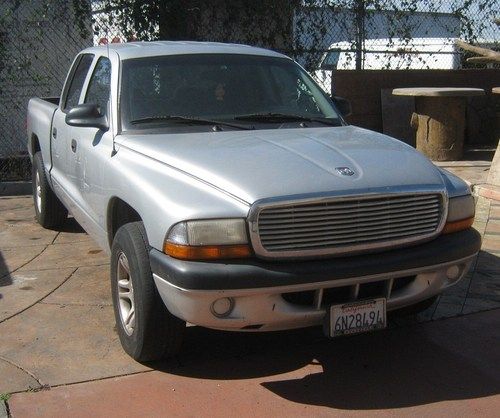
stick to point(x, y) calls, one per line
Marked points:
point(231, 194)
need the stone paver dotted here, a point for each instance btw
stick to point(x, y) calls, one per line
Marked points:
point(473, 174)
point(87, 286)
point(17, 226)
point(491, 243)
point(3, 410)
point(494, 228)
point(27, 288)
point(11, 259)
point(75, 254)
point(488, 263)
point(17, 209)
point(62, 343)
point(23, 234)
point(14, 379)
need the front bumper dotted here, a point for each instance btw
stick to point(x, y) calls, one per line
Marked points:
point(293, 294)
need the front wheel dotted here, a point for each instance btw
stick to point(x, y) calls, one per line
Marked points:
point(147, 330)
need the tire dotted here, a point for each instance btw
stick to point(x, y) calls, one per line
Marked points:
point(49, 211)
point(147, 330)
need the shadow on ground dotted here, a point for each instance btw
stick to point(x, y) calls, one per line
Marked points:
point(394, 368)
point(5, 278)
point(485, 154)
point(71, 226)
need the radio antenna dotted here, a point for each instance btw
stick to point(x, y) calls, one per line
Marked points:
point(113, 152)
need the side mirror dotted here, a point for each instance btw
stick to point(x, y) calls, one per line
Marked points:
point(343, 105)
point(87, 115)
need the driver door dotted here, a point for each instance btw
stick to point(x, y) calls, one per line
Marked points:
point(62, 173)
point(93, 149)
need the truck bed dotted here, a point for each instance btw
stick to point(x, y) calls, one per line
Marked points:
point(39, 124)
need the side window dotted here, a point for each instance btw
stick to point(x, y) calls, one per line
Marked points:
point(76, 83)
point(100, 84)
point(294, 92)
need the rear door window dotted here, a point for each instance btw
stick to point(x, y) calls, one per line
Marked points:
point(78, 78)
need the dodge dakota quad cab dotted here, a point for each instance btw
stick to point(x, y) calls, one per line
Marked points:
point(231, 194)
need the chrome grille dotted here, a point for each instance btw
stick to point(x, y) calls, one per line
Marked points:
point(347, 224)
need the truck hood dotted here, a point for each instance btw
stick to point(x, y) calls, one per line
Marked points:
point(254, 165)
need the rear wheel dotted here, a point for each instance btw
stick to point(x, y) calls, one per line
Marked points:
point(147, 330)
point(49, 211)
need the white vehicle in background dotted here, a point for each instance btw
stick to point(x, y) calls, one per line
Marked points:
point(389, 54)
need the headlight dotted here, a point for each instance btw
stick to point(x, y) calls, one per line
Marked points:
point(460, 214)
point(208, 239)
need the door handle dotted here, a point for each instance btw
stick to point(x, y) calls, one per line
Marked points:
point(54, 133)
point(73, 145)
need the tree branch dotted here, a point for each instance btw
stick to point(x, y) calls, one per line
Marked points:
point(480, 60)
point(486, 55)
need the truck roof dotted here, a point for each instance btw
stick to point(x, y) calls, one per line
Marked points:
point(131, 50)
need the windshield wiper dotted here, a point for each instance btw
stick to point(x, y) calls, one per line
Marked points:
point(188, 119)
point(286, 117)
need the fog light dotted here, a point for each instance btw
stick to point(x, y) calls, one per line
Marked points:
point(222, 307)
point(453, 272)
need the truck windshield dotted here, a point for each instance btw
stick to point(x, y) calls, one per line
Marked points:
point(244, 89)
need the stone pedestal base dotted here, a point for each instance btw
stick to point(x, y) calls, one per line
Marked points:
point(440, 126)
point(440, 119)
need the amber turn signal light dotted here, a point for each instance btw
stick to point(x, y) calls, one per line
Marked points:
point(457, 225)
point(206, 252)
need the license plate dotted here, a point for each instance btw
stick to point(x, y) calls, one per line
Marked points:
point(357, 317)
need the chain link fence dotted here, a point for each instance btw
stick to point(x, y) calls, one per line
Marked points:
point(40, 38)
point(38, 41)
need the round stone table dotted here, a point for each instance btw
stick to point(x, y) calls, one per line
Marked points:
point(439, 119)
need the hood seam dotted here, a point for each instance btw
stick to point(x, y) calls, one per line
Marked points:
point(189, 175)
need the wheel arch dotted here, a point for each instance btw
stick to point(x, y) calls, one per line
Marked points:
point(119, 213)
point(34, 145)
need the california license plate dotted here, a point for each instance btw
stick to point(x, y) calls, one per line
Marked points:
point(357, 317)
